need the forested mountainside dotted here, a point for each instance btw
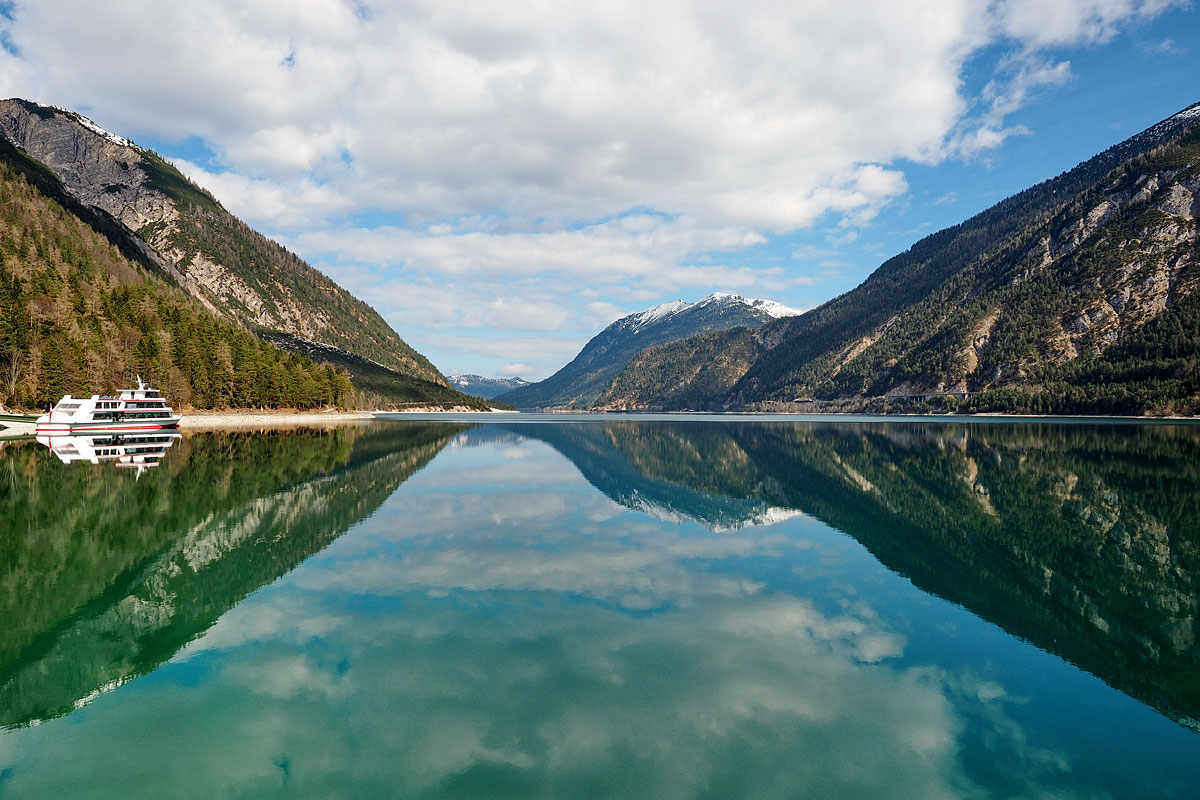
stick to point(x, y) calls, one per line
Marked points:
point(578, 384)
point(1077, 295)
point(215, 256)
point(78, 316)
point(86, 304)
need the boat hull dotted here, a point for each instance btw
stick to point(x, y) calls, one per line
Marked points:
point(106, 426)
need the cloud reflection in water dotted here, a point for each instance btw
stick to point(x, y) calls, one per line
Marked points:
point(487, 633)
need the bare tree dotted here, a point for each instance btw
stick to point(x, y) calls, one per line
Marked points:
point(12, 374)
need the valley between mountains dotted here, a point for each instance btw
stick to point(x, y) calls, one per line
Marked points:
point(1075, 296)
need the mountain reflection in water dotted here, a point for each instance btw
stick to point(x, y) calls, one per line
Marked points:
point(1082, 539)
point(677, 618)
point(104, 578)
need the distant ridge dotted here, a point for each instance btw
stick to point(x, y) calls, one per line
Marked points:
point(579, 383)
point(486, 388)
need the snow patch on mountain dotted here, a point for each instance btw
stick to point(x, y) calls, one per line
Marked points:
point(487, 388)
point(659, 312)
point(665, 311)
point(1191, 112)
point(94, 128)
point(768, 307)
point(1159, 132)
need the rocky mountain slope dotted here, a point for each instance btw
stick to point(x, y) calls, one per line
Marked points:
point(486, 388)
point(182, 230)
point(77, 316)
point(88, 302)
point(579, 383)
point(80, 315)
point(1077, 295)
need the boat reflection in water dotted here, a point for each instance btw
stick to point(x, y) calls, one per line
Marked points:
point(860, 609)
point(134, 450)
point(108, 578)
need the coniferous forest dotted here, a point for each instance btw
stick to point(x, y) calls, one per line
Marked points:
point(77, 316)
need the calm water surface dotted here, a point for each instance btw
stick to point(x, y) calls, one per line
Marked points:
point(663, 609)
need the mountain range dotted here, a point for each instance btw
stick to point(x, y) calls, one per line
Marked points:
point(486, 388)
point(1077, 295)
point(103, 213)
point(581, 382)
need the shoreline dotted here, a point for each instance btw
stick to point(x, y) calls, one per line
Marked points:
point(198, 421)
point(241, 420)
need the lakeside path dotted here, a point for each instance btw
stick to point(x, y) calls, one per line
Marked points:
point(10, 429)
point(197, 421)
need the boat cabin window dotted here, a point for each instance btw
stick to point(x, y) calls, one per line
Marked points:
point(67, 408)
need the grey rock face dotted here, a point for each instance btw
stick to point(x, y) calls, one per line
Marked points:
point(179, 228)
point(99, 170)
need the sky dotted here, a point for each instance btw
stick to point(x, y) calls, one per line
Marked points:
point(502, 180)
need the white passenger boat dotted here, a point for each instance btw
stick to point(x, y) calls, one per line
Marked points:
point(140, 409)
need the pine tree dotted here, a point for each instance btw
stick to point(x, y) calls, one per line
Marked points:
point(52, 379)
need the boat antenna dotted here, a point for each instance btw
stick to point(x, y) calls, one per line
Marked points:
point(141, 386)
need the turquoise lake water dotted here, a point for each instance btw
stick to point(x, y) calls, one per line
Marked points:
point(666, 608)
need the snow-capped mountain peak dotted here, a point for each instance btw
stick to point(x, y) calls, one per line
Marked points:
point(487, 388)
point(94, 128)
point(578, 383)
point(658, 312)
point(718, 300)
point(768, 307)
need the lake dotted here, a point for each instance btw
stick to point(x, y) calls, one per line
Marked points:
point(595, 608)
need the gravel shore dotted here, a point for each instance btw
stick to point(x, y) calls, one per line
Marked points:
point(242, 420)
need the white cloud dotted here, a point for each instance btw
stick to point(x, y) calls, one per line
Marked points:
point(514, 145)
point(1019, 78)
point(292, 203)
point(1045, 23)
point(602, 250)
point(525, 348)
point(767, 117)
point(603, 314)
point(515, 371)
